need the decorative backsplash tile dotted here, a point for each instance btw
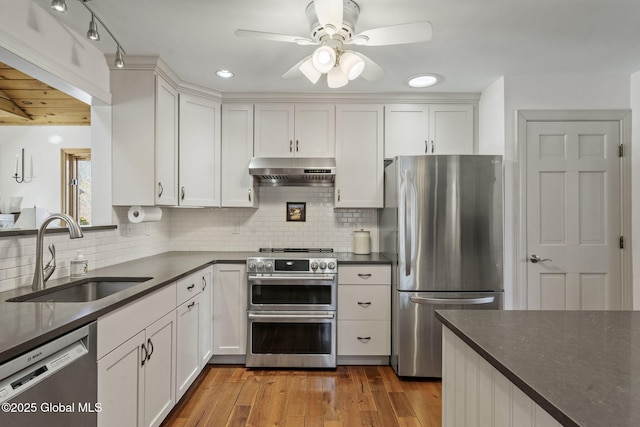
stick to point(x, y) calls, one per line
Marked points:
point(207, 229)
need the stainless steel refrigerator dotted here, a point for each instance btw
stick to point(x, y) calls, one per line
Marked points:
point(442, 226)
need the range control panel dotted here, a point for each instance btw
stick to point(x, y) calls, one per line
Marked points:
point(291, 265)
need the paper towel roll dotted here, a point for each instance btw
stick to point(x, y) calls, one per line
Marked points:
point(138, 214)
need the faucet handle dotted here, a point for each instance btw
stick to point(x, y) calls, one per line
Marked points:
point(51, 265)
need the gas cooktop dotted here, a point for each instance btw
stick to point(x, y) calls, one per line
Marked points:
point(296, 250)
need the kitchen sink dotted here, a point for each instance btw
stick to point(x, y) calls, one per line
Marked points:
point(85, 290)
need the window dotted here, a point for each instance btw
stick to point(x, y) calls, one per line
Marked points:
point(76, 183)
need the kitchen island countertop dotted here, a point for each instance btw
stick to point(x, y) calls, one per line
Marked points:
point(27, 325)
point(582, 367)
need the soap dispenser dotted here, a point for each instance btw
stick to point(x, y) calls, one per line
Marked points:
point(79, 266)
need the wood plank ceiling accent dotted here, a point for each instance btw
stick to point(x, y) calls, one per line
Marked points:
point(29, 102)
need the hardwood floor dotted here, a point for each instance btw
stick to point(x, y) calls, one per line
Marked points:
point(228, 395)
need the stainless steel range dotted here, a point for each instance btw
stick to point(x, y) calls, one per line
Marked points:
point(292, 310)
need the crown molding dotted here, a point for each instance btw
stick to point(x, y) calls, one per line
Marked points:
point(381, 98)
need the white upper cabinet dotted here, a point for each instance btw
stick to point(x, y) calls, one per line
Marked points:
point(451, 128)
point(359, 156)
point(199, 177)
point(406, 129)
point(166, 150)
point(414, 129)
point(144, 138)
point(300, 130)
point(238, 187)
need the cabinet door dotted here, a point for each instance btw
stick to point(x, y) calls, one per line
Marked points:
point(451, 128)
point(274, 130)
point(206, 317)
point(314, 130)
point(166, 138)
point(229, 309)
point(199, 151)
point(238, 187)
point(359, 156)
point(188, 349)
point(159, 396)
point(406, 130)
point(121, 384)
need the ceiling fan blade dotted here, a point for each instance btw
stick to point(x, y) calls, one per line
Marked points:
point(275, 37)
point(372, 71)
point(295, 70)
point(394, 34)
point(329, 13)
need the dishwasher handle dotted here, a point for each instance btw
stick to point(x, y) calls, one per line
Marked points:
point(447, 301)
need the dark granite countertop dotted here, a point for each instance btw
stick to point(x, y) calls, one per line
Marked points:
point(583, 367)
point(26, 325)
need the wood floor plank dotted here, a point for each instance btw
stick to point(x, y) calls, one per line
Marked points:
point(350, 396)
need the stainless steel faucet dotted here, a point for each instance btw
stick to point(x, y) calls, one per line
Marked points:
point(75, 232)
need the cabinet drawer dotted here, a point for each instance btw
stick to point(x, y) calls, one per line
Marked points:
point(122, 324)
point(189, 286)
point(364, 302)
point(364, 338)
point(364, 274)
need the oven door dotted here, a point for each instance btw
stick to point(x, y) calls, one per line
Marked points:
point(293, 292)
point(290, 339)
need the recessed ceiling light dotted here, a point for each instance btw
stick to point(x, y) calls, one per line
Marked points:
point(225, 74)
point(423, 80)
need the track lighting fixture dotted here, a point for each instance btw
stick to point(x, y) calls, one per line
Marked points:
point(92, 34)
point(59, 6)
point(119, 62)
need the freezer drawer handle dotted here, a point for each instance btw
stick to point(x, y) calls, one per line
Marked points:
point(444, 301)
point(364, 339)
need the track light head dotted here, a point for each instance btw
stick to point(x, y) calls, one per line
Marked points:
point(119, 62)
point(93, 34)
point(59, 6)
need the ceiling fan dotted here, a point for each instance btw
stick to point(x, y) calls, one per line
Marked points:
point(333, 28)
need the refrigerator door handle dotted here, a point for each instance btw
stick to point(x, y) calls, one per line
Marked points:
point(407, 221)
point(447, 301)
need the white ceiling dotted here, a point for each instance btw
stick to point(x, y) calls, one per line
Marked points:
point(474, 41)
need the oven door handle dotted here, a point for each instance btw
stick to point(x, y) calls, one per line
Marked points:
point(291, 316)
point(318, 278)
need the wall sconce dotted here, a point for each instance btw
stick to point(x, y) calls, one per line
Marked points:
point(22, 179)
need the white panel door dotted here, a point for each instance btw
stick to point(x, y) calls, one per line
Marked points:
point(315, 130)
point(451, 128)
point(573, 215)
point(229, 309)
point(406, 130)
point(238, 187)
point(166, 153)
point(274, 130)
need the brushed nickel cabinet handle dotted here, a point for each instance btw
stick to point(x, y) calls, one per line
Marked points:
point(364, 339)
point(160, 189)
point(182, 193)
point(364, 275)
point(364, 304)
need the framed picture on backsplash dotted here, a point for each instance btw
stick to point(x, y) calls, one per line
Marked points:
point(297, 211)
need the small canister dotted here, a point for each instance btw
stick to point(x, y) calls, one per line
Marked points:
point(361, 242)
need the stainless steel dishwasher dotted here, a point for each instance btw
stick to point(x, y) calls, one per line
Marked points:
point(54, 384)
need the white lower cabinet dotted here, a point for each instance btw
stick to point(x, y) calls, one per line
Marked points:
point(229, 309)
point(205, 325)
point(188, 347)
point(364, 310)
point(135, 380)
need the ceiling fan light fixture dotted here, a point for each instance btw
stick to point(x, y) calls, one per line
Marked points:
point(59, 6)
point(423, 80)
point(337, 77)
point(324, 59)
point(352, 65)
point(307, 68)
point(93, 34)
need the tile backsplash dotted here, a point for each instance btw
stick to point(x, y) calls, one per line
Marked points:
point(206, 229)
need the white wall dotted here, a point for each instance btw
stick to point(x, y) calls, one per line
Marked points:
point(549, 93)
point(491, 119)
point(44, 190)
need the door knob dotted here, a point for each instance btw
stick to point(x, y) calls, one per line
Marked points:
point(536, 259)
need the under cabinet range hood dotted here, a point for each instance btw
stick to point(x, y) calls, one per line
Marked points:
point(294, 171)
